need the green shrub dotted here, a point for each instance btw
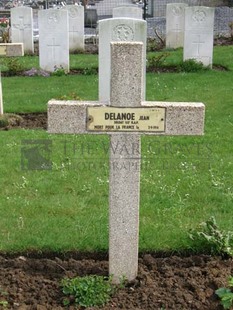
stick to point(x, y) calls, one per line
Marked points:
point(87, 291)
point(90, 71)
point(191, 65)
point(156, 61)
point(59, 71)
point(3, 121)
point(213, 239)
point(13, 65)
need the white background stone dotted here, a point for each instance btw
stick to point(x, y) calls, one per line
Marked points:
point(131, 11)
point(76, 27)
point(175, 25)
point(199, 37)
point(22, 27)
point(117, 29)
point(54, 39)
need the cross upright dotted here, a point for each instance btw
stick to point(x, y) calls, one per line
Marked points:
point(125, 118)
point(53, 47)
point(198, 42)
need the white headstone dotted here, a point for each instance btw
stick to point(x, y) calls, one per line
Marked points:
point(199, 37)
point(175, 25)
point(125, 119)
point(117, 30)
point(128, 10)
point(54, 39)
point(22, 27)
point(76, 27)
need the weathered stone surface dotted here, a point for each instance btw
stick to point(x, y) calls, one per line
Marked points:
point(11, 49)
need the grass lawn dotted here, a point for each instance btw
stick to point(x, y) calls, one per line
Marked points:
point(184, 180)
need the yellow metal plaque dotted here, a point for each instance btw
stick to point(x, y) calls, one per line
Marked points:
point(126, 119)
point(2, 50)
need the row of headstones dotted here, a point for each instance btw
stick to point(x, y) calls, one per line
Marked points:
point(191, 28)
point(54, 27)
point(22, 26)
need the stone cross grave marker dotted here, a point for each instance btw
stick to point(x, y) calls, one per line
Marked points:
point(22, 27)
point(175, 25)
point(125, 118)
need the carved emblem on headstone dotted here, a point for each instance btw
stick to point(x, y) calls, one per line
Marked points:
point(199, 16)
point(123, 33)
point(73, 12)
point(53, 18)
point(177, 10)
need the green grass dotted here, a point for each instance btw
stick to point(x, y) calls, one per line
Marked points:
point(31, 94)
point(184, 180)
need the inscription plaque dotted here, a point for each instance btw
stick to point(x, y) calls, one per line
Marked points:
point(126, 119)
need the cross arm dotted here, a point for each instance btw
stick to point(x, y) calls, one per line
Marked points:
point(181, 118)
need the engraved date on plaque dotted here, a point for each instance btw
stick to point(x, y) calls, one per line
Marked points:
point(126, 119)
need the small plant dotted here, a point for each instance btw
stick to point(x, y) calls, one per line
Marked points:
point(3, 303)
point(59, 71)
point(191, 65)
point(90, 71)
point(4, 22)
point(211, 237)
point(226, 294)
point(87, 291)
point(157, 61)
point(13, 65)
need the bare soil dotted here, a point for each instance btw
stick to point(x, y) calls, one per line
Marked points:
point(173, 282)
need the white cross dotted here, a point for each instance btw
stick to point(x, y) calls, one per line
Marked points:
point(21, 26)
point(177, 31)
point(53, 47)
point(125, 119)
point(73, 34)
point(198, 42)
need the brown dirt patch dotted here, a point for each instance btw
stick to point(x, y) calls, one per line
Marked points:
point(29, 121)
point(179, 283)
